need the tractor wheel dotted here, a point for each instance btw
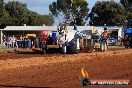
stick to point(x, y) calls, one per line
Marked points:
point(76, 48)
point(64, 49)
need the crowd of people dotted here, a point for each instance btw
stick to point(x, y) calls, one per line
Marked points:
point(11, 41)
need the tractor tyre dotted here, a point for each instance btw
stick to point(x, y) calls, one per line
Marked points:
point(64, 49)
point(76, 48)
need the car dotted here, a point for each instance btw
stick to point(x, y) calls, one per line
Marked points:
point(112, 41)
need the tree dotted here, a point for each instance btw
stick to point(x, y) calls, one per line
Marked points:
point(71, 9)
point(3, 15)
point(15, 14)
point(38, 20)
point(128, 6)
point(107, 12)
point(18, 12)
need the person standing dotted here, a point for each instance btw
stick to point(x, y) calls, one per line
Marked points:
point(103, 40)
point(4, 40)
point(21, 41)
point(16, 43)
point(26, 40)
point(10, 42)
point(13, 41)
point(7, 41)
point(37, 42)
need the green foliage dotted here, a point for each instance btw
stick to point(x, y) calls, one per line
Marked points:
point(16, 9)
point(128, 6)
point(15, 13)
point(107, 12)
point(36, 19)
point(3, 14)
point(72, 10)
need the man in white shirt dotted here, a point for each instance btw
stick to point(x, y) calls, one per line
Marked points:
point(13, 41)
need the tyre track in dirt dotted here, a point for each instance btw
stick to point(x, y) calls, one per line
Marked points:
point(65, 70)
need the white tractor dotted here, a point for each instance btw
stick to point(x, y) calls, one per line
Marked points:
point(67, 41)
point(64, 40)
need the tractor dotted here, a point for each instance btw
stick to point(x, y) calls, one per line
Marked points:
point(64, 40)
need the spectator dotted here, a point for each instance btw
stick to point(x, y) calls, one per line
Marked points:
point(10, 42)
point(4, 40)
point(37, 42)
point(8, 39)
point(29, 43)
point(16, 42)
point(21, 38)
point(13, 41)
point(21, 41)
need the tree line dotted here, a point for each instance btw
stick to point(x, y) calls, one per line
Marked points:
point(108, 13)
point(15, 13)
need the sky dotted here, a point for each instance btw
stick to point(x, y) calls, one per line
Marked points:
point(42, 6)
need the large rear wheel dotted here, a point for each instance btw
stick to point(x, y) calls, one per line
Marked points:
point(64, 49)
point(75, 49)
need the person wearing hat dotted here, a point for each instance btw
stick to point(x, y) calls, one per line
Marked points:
point(105, 34)
point(103, 40)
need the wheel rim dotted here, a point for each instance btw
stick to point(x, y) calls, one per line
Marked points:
point(78, 45)
point(64, 49)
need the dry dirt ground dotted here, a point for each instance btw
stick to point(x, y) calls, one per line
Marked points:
point(59, 70)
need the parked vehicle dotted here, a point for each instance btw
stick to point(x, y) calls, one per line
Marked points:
point(112, 41)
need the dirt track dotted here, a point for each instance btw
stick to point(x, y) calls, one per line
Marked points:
point(27, 70)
